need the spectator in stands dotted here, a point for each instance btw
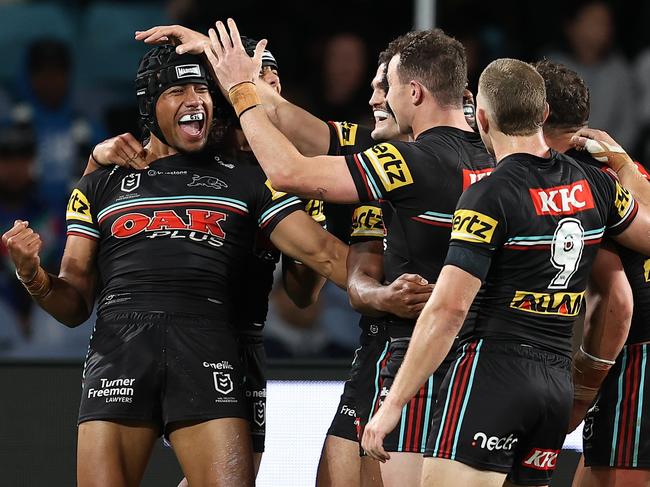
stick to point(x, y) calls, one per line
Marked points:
point(590, 34)
point(64, 137)
point(20, 198)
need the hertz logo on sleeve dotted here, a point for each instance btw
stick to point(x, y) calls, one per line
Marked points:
point(472, 226)
point(623, 200)
point(367, 221)
point(78, 207)
point(315, 209)
point(646, 270)
point(389, 166)
point(558, 304)
point(346, 132)
point(274, 194)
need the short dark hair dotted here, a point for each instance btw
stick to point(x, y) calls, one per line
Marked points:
point(567, 95)
point(515, 94)
point(434, 59)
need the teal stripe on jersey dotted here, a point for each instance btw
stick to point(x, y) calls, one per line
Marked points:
point(466, 400)
point(402, 428)
point(270, 213)
point(83, 229)
point(444, 412)
point(166, 199)
point(441, 215)
point(617, 417)
point(427, 413)
point(639, 417)
point(373, 185)
point(378, 366)
point(588, 233)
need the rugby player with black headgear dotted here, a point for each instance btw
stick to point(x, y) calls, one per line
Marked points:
point(300, 282)
point(422, 179)
point(166, 246)
point(530, 232)
point(617, 450)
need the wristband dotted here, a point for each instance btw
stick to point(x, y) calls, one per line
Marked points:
point(597, 359)
point(92, 156)
point(26, 281)
point(243, 96)
point(40, 285)
point(612, 155)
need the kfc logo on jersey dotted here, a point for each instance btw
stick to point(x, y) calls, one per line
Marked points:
point(131, 182)
point(563, 200)
point(540, 459)
point(222, 382)
point(470, 177)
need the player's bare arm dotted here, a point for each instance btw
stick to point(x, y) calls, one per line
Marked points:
point(69, 296)
point(606, 150)
point(434, 334)
point(321, 177)
point(404, 297)
point(607, 323)
point(301, 238)
point(186, 40)
point(301, 283)
point(123, 150)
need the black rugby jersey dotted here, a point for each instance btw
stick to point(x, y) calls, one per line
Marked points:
point(636, 266)
point(423, 181)
point(175, 237)
point(539, 223)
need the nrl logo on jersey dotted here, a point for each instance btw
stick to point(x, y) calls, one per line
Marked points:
point(131, 182)
point(563, 200)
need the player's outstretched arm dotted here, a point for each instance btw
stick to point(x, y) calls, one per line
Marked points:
point(607, 323)
point(605, 149)
point(123, 150)
point(404, 297)
point(186, 40)
point(301, 238)
point(323, 177)
point(432, 339)
point(68, 297)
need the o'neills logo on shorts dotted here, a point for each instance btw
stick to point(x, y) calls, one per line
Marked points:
point(563, 200)
point(540, 459)
point(116, 390)
point(560, 304)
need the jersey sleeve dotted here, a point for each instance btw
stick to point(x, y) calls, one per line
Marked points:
point(347, 138)
point(274, 206)
point(80, 215)
point(367, 224)
point(479, 228)
point(316, 210)
point(623, 210)
point(380, 172)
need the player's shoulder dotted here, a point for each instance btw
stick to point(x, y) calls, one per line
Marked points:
point(450, 138)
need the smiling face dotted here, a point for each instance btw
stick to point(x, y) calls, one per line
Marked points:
point(184, 114)
point(385, 124)
point(398, 97)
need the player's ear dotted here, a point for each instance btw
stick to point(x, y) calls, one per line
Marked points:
point(482, 120)
point(547, 110)
point(417, 92)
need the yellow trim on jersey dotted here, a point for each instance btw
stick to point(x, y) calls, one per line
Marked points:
point(346, 132)
point(623, 200)
point(557, 304)
point(315, 209)
point(472, 226)
point(389, 165)
point(367, 221)
point(646, 270)
point(78, 207)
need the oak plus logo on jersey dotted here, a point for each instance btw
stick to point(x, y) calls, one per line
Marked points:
point(470, 177)
point(472, 226)
point(558, 304)
point(367, 222)
point(563, 200)
point(113, 390)
point(390, 166)
point(541, 459)
point(131, 182)
point(490, 443)
point(201, 225)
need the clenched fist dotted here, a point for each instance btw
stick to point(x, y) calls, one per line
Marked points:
point(24, 246)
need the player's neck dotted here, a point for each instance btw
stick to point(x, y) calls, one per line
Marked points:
point(156, 149)
point(434, 116)
point(559, 139)
point(506, 145)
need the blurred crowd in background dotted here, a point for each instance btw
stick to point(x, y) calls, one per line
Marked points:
point(66, 83)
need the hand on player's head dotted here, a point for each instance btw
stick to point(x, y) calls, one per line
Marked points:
point(124, 150)
point(602, 147)
point(228, 57)
point(186, 40)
